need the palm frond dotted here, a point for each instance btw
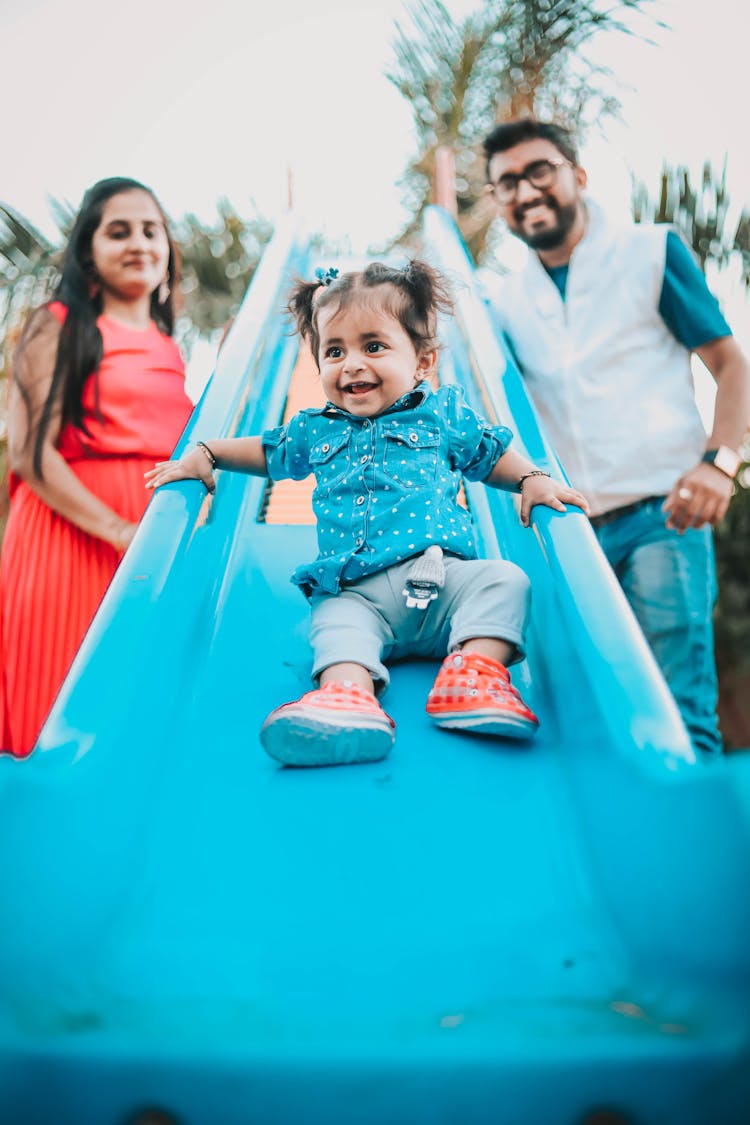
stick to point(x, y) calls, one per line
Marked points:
point(507, 59)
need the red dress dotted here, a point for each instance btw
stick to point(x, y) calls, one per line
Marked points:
point(53, 575)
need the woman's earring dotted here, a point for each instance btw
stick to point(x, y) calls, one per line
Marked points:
point(164, 291)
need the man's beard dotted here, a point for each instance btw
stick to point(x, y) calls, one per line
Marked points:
point(552, 237)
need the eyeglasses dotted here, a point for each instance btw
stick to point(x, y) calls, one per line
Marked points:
point(540, 174)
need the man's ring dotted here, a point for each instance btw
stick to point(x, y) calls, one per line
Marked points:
point(685, 494)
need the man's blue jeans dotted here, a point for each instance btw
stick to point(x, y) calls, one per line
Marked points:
point(670, 581)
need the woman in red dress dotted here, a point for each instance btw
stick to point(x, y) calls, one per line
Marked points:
point(96, 396)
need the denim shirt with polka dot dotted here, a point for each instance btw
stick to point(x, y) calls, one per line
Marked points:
point(386, 487)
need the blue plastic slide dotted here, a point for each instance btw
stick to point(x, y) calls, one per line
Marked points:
point(469, 933)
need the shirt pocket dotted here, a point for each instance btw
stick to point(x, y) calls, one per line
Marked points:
point(329, 460)
point(411, 453)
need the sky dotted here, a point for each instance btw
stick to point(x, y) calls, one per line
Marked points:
point(221, 98)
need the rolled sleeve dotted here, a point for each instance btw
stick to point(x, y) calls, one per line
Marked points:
point(475, 445)
point(287, 450)
point(687, 306)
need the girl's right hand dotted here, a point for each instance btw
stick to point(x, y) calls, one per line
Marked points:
point(193, 466)
point(553, 493)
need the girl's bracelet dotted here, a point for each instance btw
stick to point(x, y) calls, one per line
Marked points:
point(202, 445)
point(533, 473)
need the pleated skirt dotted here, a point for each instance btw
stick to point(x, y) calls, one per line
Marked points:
point(52, 578)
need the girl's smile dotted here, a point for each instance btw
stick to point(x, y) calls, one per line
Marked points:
point(359, 388)
point(367, 360)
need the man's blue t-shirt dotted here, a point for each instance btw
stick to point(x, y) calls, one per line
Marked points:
point(686, 305)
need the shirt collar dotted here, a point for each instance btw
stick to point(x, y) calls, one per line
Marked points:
point(411, 399)
point(594, 243)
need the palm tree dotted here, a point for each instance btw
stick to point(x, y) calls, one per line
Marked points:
point(741, 245)
point(509, 58)
point(218, 262)
point(28, 267)
point(27, 271)
point(700, 213)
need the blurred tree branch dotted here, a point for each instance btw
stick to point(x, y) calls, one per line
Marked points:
point(507, 59)
point(700, 213)
point(218, 263)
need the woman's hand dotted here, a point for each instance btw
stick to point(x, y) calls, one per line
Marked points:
point(53, 480)
point(195, 465)
point(552, 493)
point(122, 535)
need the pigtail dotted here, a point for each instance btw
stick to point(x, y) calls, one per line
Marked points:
point(423, 293)
point(301, 306)
point(429, 292)
point(414, 294)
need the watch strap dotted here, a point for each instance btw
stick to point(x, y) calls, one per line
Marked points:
point(726, 460)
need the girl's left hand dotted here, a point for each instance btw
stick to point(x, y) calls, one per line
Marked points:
point(552, 493)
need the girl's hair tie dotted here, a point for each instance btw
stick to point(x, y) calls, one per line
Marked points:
point(326, 277)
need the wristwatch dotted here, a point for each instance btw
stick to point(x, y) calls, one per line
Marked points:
point(724, 459)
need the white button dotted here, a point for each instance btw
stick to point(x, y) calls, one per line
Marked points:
point(358, 541)
point(412, 437)
point(360, 499)
point(363, 458)
point(325, 447)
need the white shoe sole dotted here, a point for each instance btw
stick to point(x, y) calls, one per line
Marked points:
point(296, 739)
point(506, 726)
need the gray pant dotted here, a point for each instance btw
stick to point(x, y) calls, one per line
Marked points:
point(368, 623)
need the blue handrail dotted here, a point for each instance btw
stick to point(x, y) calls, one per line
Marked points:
point(622, 674)
point(172, 527)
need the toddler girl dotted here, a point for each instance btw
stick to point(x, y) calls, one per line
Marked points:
point(388, 454)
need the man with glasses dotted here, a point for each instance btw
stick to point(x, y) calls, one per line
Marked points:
point(603, 320)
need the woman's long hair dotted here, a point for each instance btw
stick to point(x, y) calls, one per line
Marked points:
point(79, 351)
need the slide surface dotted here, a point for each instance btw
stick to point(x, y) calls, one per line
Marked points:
point(469, 932)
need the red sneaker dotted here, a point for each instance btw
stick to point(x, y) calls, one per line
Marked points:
point(474, 693)
point(338, 724)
